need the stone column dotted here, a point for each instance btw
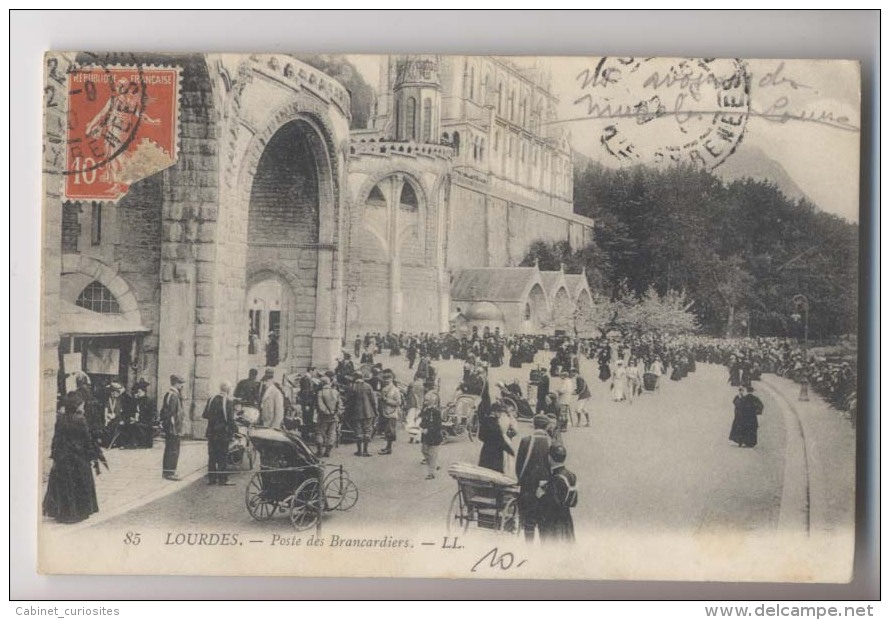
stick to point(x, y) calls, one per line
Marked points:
point(395, 260)
point(325, 339)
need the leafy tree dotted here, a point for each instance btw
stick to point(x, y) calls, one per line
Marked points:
point(740, 250)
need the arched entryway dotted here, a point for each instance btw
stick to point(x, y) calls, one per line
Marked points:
point(584, 322)
point(563, 311)
point(283, 247)
point(535, 311)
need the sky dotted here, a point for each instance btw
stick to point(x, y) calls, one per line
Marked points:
point(803, 114)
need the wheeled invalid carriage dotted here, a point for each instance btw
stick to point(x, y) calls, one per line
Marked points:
point(485, 497)
point(294, 481)
point(461, 415)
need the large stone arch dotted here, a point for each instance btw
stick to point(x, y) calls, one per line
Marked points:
point(292, 225)
point(265, 106)
point(425, 208)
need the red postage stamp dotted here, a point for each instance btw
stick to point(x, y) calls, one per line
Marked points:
point(122, 127)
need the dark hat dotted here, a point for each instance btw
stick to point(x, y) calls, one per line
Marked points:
point(269, 374)
point(177, 380)
point(558, 453)
point(541, 421)
point(72, 402)
point(142, 384)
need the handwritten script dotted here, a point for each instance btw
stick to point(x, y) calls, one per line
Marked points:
point(685, 84)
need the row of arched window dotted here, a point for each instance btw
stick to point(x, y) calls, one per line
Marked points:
point(509, 106)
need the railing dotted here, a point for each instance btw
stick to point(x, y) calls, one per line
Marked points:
point(385, 147)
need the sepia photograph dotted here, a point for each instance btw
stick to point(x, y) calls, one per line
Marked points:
point(454, 316)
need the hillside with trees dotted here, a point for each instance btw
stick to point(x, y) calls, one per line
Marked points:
point(736, 252)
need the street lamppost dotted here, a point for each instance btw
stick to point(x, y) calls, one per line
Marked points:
point(802, 304)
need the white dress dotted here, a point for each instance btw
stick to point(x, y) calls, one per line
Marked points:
point(619, 383)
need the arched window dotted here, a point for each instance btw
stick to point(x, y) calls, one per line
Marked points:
point(427, 120)
point(455, 142)
point(497, 141)
point(500, 98)
point(376, 197)
point(398, 118)
point(408, 199)
point(510, 102)
point(411, 119)
point(528, 312)
point(482, 149)
point(98, 298)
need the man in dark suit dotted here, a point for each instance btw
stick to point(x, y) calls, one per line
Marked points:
point(220, 416)
point(532, 472)
point(172, 420)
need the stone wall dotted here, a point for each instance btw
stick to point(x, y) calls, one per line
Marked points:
point(489, 230)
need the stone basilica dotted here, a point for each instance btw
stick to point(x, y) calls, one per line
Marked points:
point(280, 219)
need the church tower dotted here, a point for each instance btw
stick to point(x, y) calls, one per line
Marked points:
point(417, 99)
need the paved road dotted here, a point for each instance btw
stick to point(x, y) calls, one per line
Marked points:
point(661, 464)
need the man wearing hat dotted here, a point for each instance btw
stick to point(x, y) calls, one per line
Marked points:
point(329, 409)
point(220, 416)
point(172, 418)
point(365, 410)
point(532, 472)
point(271, 401)
point(391, 405)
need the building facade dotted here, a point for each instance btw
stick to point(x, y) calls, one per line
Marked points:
point(280, 231)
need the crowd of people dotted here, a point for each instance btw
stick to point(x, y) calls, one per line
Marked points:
point(359, 400)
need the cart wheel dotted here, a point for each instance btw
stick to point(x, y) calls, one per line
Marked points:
point(340, 492)
point(305, 505)
point(510, 518)
point(458, 520)
point(260, 508)
point(473, 427)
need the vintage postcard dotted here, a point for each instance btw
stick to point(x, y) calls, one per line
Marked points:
point(449, 316)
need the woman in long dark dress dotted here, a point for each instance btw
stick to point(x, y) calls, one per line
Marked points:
point(494, 443)
point(744, 423)
point(71, 491)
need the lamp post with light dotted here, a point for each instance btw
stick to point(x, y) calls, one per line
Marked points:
point(802, 304)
